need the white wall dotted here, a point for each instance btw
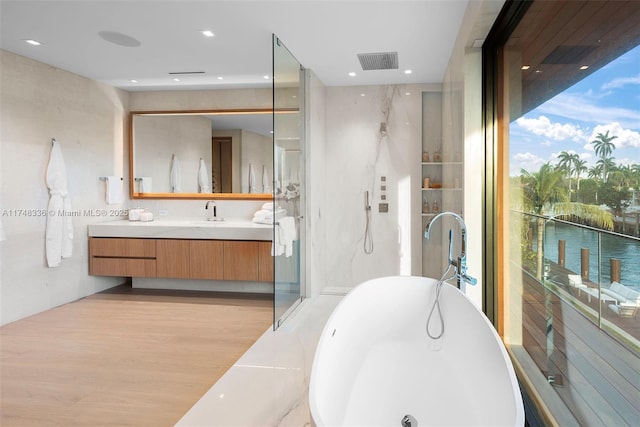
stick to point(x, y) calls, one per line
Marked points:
point(38, 103)
point(357, 156)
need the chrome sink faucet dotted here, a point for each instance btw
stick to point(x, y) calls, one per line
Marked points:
point(214, 211)
point(460, 263)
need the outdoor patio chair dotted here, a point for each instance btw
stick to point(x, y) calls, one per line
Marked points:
point(624, 309)
point(575, 281)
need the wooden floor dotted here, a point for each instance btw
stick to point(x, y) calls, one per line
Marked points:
point(597, 377)
point(124, 357)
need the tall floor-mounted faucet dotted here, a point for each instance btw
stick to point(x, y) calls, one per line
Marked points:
point(460, 264)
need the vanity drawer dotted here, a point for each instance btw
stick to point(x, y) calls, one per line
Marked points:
point(122, 267)
point(122, 247)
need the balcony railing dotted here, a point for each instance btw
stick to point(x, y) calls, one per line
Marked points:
point(575, 329)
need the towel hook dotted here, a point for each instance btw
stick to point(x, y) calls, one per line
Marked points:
point(53, 141)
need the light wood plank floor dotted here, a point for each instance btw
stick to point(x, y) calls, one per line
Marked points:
point(124, 357)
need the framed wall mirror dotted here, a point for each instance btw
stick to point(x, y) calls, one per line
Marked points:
point(204, 154)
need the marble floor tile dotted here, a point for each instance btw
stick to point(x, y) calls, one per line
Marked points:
point(269, 384)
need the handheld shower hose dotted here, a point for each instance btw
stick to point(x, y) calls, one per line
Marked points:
point(368, 237)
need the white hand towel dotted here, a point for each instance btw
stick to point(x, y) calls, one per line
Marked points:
point(176, 178)
point(287, 234)
point(267, 216)
point(114, 190)
point(267, 206)
point(145, 185)
point(59, 231)
point(203, 178)
point(266, 183)
point(252, 179)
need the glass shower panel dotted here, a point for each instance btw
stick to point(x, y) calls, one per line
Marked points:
point(288, 133)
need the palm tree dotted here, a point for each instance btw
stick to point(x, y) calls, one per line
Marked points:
point(595, 172)
point(543, 195)
point(566, 164)
point(604, 147)
point(541, 190)
point(579, 166)
point(607, 165)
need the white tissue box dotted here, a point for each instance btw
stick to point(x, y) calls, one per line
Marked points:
point(134, 214)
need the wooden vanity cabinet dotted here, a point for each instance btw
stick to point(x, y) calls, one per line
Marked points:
point(206, 259)
point(265, 262)
point(122, 257)
point(181, 258)
point(172, 258)
point(240, 260)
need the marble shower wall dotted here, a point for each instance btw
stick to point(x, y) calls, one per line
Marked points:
point(357, 156)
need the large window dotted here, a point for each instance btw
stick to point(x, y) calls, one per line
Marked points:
point(562, 92)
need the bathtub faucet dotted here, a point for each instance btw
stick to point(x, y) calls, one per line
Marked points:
point(460, 264)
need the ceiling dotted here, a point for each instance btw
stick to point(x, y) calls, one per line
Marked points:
point(324, 35)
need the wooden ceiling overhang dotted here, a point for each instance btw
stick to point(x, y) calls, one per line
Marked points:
point(557, 39)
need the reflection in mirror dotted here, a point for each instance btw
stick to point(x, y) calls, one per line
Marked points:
point(200, 154)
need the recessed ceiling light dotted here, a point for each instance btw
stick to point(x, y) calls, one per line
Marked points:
point(207, 33)
point(525, 67)
point(220, 78)
point(584, 67)
point(176, 80)
point(33, 42)
point(408, 93)
point(266, 77)
point(538, 71)
point(133, 81)
point(352, 74)
point(362, 94)
point(408, 71)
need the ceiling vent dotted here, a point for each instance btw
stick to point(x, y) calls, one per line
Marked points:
point(185, 73)
point(379, 61)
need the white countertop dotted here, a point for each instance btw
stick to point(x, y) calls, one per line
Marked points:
point(194, 228)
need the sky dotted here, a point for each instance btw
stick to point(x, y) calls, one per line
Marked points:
point(607, 99)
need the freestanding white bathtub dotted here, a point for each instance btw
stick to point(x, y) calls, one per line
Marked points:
point(375, 365)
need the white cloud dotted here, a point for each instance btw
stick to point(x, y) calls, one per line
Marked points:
point(620, 82)
point(544, 127)
point(579, 107)
point(527, 161)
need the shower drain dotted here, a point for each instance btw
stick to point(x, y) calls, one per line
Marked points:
point(409, 421)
